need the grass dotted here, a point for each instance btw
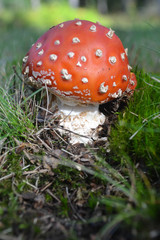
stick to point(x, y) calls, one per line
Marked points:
point(46, 186)
point(140, 123)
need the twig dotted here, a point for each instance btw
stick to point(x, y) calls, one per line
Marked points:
point(41, 130)
point(46, 113)
point(34, 172)
point(24, 174)
point(74, 210)
point(47, 186)
point(16, 73)
point(134, 114)
point(155, 79)
point(31, 185)
point(44, 109)
point(52, 195)
point(69, 153)
point(44, 144)
point(59, 136)
point(7, 176)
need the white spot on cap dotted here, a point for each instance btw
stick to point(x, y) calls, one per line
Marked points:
point(84, 59)
point(39, 63)
point(65, 74)
point(31, 79)
point(126, 51)
point(102, 88)
point(112, 60)
point(128, 89)
point(85, 80)
point(36, 74)
point(79, 23)
point(38, 45)
point(61, 25)
point(93, 28)
point(99, 53)
point(25, 59)
point(53, 57)
point(110, 33)
point(114, 95)
point(41, 52)
point(79, 92)
point(26, 70)
point(123, 56)
point(114, 84)
point(79, 64)
point(124, 77)
point(119, 92)
point(69, 93)
point(54, 82)
point(71, 54)
point(129, 67)
point(46, 81)
point(57, 42)
point(132, 82)
point(75, 40)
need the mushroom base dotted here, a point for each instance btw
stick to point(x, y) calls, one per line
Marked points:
point(80, 123)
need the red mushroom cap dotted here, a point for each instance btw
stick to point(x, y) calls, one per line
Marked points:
point(81, 60)
point(132, 83)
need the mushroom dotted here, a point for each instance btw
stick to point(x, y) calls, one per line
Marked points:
point(83, 64)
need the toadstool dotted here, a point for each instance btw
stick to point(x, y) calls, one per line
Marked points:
point(83, 64)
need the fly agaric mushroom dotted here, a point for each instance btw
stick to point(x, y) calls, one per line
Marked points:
point(83, 64)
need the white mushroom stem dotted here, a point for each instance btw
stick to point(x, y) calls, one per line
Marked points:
point(80, 123)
